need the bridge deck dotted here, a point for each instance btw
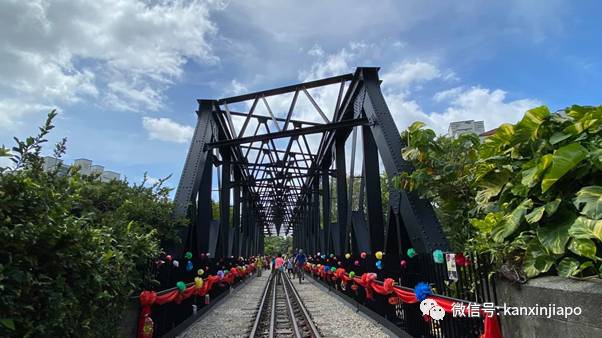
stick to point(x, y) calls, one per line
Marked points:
point(234, 317)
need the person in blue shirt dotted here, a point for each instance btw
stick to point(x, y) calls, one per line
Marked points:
point(300, 260)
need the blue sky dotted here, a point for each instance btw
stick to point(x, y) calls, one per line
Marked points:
point(125, 75)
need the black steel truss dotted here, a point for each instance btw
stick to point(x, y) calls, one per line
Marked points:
point(279, 185)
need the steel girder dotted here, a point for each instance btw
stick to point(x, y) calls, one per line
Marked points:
point(277, 189)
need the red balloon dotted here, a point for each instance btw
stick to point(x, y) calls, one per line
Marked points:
point(169, 258)
point(461, 260)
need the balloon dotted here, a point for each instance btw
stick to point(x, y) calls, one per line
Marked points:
point(379, 255)
point(181, 286)
point(198, 282)
point(403, 263)
point(357, 263)
point(438, 256)
point(188, 255)
point(379, 265)
point(323, 256)
point(411, 252)
point(189, 266)
point(331, 255)
point(422, 291)
point(176, 263)
point(363, 255)
point(326, 268)
point(347, 255)
point(333, 269)
point(169, 258)
point(460, 259)
point(208, 254)
point(220, 274)
point(351, 274)
point(200, 272)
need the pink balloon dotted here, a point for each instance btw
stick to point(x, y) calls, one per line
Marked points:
point(357, 263)
point(403, 263)
point(363, 255)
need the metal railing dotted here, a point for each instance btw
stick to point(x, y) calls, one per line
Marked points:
point(473, 285)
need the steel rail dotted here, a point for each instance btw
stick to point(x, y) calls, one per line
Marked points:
point(261, 306)
point(311, 324)
point(273, 312)
point(290, 308)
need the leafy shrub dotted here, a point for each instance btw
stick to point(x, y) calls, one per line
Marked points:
point(540, 194)
point(530, 196)
point(444, 174)
point(72, 248)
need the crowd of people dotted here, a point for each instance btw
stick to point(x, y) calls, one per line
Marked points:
point(293, 264)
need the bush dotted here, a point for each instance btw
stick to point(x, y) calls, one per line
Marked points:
point(72, 249)
point(443, 173)
point(530, 196)
point(540, 194)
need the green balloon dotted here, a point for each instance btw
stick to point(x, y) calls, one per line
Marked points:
point(438, 256)
point(411, 252)
point(188, 255)
point(181, 286)
point(333, 269)
point(351, 274)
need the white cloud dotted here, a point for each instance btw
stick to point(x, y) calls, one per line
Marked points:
point(476, 103)
point(11, 111)
point(406, 74)
point(165, 129)
point(124, 53)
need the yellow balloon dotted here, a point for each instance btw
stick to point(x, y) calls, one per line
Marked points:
point(200, 272)
point(379, 255)
point(198, 282)
point(347, 255)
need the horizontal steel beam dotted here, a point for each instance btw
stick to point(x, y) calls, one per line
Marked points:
point(288, 133)
point(262, 117)
point(287, 89)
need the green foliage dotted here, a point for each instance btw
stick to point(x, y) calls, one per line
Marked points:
point(72, 248)
point(539, 194)
point(444, 173)
point(278, 245)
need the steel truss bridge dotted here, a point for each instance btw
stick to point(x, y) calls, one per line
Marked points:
point(285, 172)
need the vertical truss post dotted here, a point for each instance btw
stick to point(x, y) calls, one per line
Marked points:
point(373, 191)
point(326, 211)
point(236, 246)
point(417, 216)
point(224, 204)
point(193, 173)
point(315, 208)
point(340, 243)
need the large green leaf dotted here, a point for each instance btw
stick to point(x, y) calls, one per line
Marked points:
point(591, 200)
point(532, 176)
point(554, 236)
point(568, 267)
point(532, 120)
point(512, 221)
point(535, 215)
point(491, 185)
point(552, 206)
point(583, 247)
point(584, 227)
point(530, 263)
point(564, 160)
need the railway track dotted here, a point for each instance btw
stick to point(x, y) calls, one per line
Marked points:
point(281, 312)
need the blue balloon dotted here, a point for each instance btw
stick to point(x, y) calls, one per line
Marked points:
point(422, 291)
point(379, 265)
point(189, 266)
